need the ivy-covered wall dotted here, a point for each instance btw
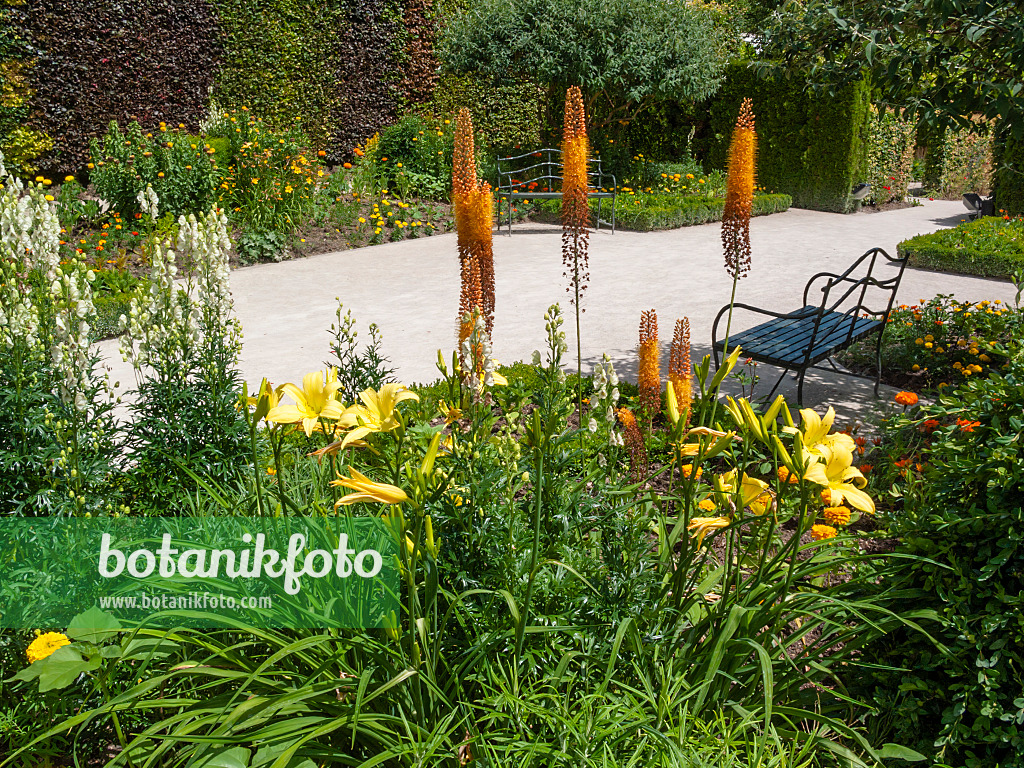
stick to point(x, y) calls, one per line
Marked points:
point(343, 68)
point(813, 148)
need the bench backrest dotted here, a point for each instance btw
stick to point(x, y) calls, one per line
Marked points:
point(867, 289)
point(541, 171)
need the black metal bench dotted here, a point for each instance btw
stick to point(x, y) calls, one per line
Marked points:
point(537, 175)
point(803, 338)
point(978, 206)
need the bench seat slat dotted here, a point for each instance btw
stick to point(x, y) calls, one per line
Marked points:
point(784, 341)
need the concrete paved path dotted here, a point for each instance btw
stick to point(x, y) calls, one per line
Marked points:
point(411, 290)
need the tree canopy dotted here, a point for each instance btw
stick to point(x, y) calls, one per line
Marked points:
point(624, 54)
point(944, 60)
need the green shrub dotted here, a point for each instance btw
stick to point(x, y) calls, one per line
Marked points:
point(654, 212)
point(179, 167)
point(962, 521)
point(1008, 177)
point(812, 147)
point(989, 247)
point(510, 115)
point(419, 156)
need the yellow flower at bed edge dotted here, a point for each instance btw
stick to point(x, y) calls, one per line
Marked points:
point(835, 471)
point(367, 490)
point(816, 429)
point(313, 402)
point(377, 414)
point(44, 645)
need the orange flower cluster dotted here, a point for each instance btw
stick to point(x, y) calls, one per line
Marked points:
point(680, 368)
point(634, 444)
point(739, 194)
point(474, 205)
point(906, 398)
point(649, 378)
point(575, 211)
point(836, 515)
point(822, 532)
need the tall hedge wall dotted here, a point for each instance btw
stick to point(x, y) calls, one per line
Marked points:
point(813, 148)
point(344, 68)
point(1008, 176)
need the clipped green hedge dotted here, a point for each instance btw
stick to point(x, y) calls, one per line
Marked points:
point(1008, 177)
point(812, 147)
point(681, 212)
point(507, 115)
point(988, 247)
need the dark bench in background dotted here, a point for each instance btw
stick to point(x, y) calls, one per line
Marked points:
point(805, 337)
point(537, 175)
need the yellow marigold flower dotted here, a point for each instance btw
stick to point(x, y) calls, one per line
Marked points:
point(707, 505)
point(44, 645)
point(837, 515)
point(785, 476)
point(822, 532)
point(687, 470)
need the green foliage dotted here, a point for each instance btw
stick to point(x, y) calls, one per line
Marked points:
point(811, 147)
point(943, 61)
point(418, 157)
point(95, 62)
point(510, 115)
point(890, 156)
point(959, 160)
point(989, 247)
point(628, 53)
point(1008, 176)
point(255, 246)
point(961, 522)
point(179, 167)
point(21, 146)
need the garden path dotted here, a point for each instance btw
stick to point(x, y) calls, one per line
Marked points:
point(411, 290)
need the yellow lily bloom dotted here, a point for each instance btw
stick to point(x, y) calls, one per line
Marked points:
point(367, 490)
point(377, 414)
point(692, 449)
point(313, 402)
point(755, 494)
point(816, 432)
point(702, 526)
point(844, 481)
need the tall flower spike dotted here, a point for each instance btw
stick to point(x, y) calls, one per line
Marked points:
point(680, 368)
point(473, 204)
point(575, 210)
point(649, 379)
point(739, 194)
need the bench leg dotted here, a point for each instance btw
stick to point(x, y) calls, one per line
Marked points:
point(878, 362)
point(800, 387)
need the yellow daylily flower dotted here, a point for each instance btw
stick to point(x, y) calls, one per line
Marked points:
point(368, 490)
point(313, 402)
point(754, 493)
point(702, 526)
point(835, 471)
point(816, 431)
point(692, 449)
point(266, 400)
point(377, 414)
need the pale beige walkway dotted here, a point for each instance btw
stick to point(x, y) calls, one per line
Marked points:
point(411, 290)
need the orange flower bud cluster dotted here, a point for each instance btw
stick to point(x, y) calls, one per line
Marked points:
point(739, 194)
point(649, 378)
point(634, 444)
point(474, 206)
point(837, 516)
point(575, 210)
point(680, 368)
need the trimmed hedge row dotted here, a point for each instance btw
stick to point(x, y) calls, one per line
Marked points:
point(685, 212)
point(1008, 178)
point(988, 247)
point(812, 147)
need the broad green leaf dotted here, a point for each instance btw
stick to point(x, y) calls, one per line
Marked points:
point(62, 667)
point(93, 626)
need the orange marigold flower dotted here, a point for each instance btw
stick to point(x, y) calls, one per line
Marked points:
point(906, 398)
point(929, 426)
point(822, 532)
point(966, 425)
point(687, 470)
point(785, 476)
point(837, 515)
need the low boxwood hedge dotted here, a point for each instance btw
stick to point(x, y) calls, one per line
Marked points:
point(669, 212)
point(989, 247)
